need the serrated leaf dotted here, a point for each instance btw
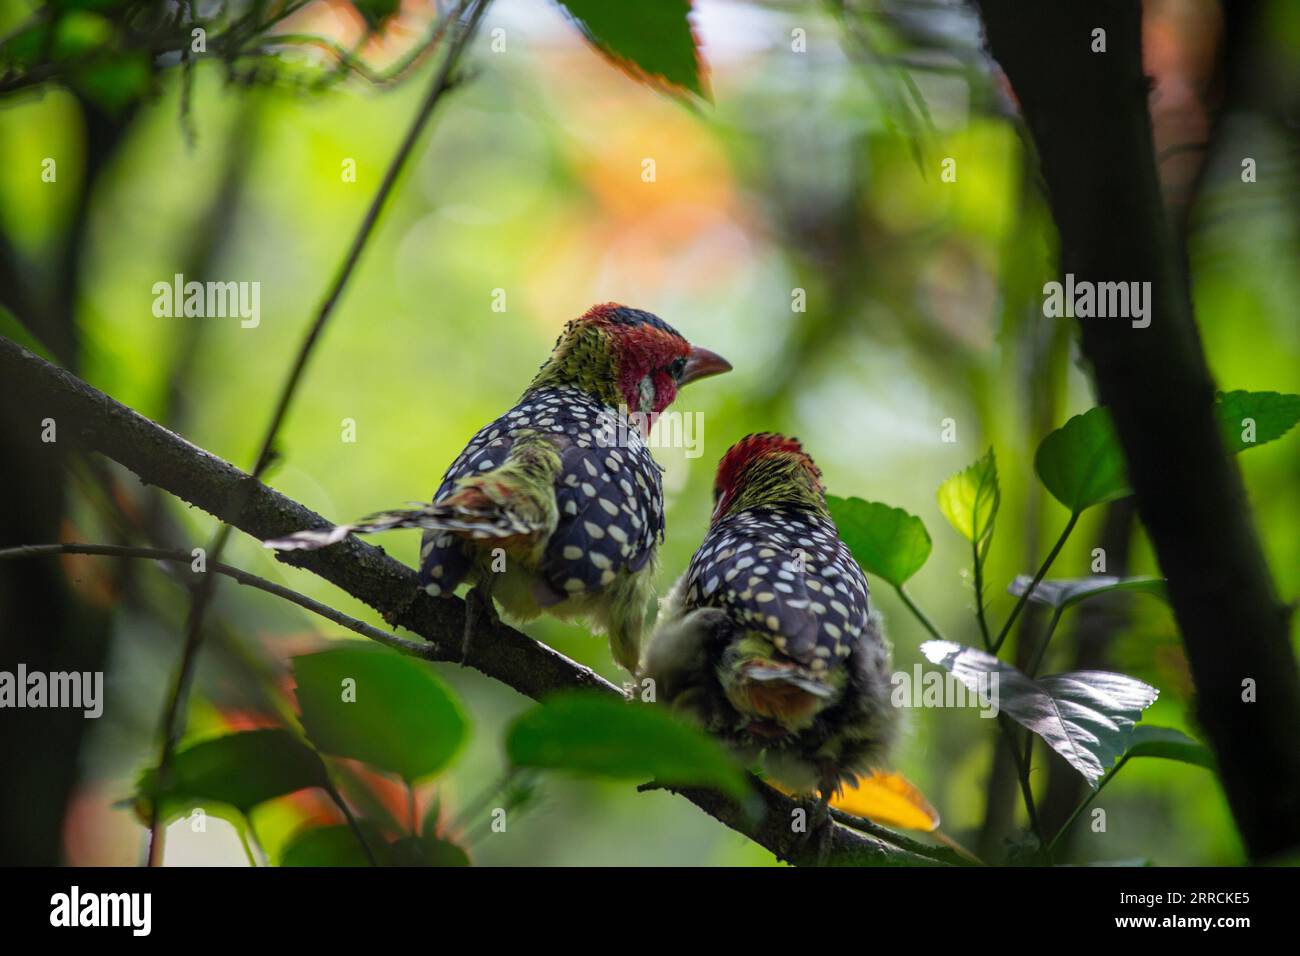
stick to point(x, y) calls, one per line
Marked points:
point(887, 542)
point(403, 718)
point(1066, 592)
point(601, 735)
point(240, 770)
point(1080, 463)
point(970, 499)
point(1269, 414)
point(890, 799)
point(650, 39)
point(1085, 716)
point(1149, 740)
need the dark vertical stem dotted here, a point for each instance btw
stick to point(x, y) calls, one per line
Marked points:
point(1088, 114)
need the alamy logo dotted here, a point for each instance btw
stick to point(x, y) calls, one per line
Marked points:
point(1102, 300)
point(103, 909)
point(942, 689)
point(209, 300)
point(669, 429)
point(77, 690)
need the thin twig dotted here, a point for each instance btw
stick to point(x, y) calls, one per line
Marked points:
point(918, 613)
point(415, 648)
point(1042, 571)
point(441, 83)
point(203, 594)
point(1092, 795)
point(1022, 774)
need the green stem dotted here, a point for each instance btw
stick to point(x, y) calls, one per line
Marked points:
point(1110, 775)
point(918, 613)
point(352, 821)
point(979, 595)
point(1047, 639)
point(1022, 773)
point(243, 841)
point(1042, 571)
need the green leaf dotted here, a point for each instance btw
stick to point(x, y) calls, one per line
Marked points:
point(240, 770)
point(1067, 592)
point(970, 499)
point(79, 34)
point(334, 846)
point(26, 46)
point(379, 707)
point(600, 735)
point(1085, 716)
point(1148, 740)
point(115, 82)
point(1270, 415)
point(887, 542)
point(1081, 464)
point(649, 39)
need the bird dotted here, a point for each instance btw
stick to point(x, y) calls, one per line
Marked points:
point(768, 639)
point(557, 505)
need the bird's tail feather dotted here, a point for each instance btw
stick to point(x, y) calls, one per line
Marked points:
point(786, 675)
point(467, 512)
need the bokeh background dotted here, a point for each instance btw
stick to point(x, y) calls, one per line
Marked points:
point(815, 170)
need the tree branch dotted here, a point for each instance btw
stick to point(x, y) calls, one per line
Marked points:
point(242, 577)
point(1088, 114)
point(96, 422)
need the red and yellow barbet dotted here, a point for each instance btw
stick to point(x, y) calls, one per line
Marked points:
point(557, 506)
point(768, 639)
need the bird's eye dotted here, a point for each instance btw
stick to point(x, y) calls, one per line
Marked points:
point(678, 368)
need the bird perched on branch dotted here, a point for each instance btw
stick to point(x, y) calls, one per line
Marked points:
point(557, 506)
point(768, 639)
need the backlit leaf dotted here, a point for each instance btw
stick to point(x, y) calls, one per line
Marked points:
point(887, 542)
point(650, 39)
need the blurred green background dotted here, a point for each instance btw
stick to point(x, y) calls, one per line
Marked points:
point(816, 171)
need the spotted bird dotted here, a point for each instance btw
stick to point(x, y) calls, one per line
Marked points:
point(557, 506)
point(768, 639)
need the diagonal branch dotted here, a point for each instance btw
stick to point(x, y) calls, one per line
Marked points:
point(96, 422)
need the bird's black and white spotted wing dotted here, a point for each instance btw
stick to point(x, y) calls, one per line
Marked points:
point(783, 572)
point(608, 493)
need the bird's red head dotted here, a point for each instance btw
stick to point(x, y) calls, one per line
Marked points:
point(766, 469)
point(627, 357)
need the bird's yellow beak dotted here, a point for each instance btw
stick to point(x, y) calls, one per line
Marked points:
point(701, 363)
